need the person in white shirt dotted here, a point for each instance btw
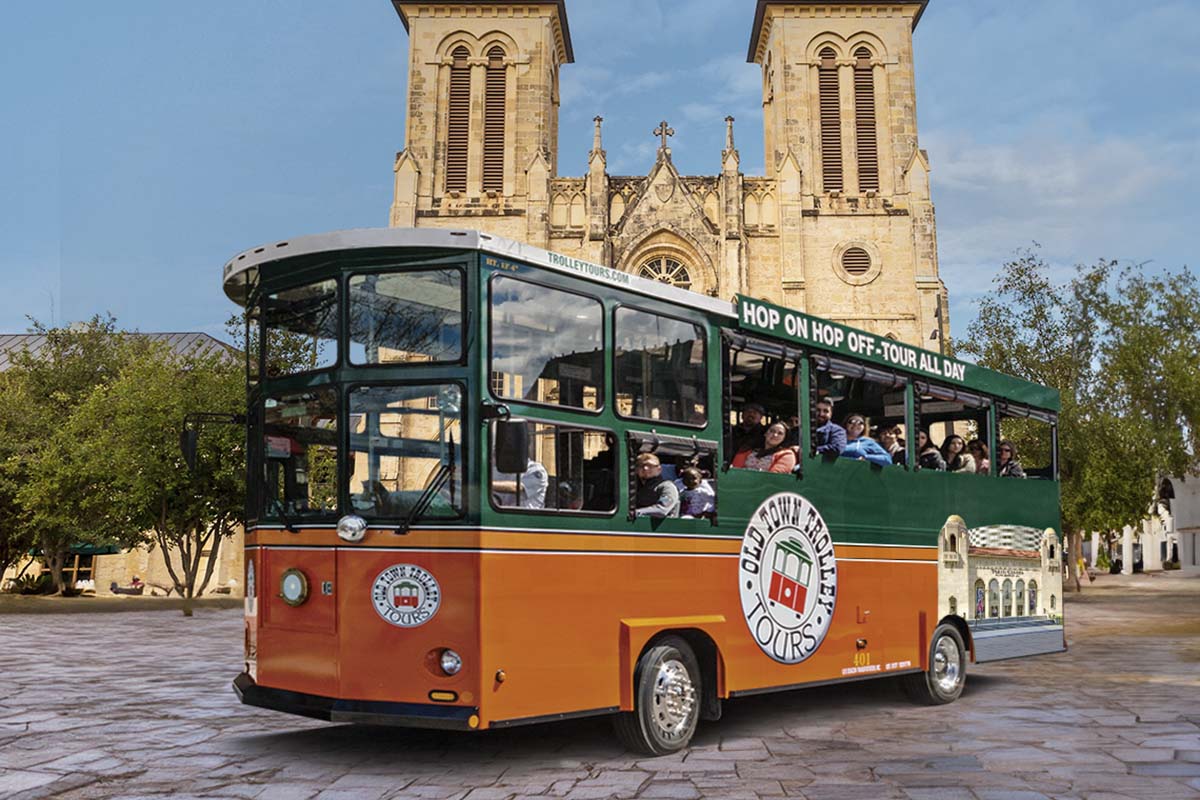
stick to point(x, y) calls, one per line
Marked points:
point(533, 484)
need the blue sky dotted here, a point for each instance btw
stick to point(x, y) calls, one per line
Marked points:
point(144, 142)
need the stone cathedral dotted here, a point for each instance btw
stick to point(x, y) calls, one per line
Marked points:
point(841, 225)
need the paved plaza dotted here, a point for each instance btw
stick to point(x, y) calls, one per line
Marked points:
point(139, 705)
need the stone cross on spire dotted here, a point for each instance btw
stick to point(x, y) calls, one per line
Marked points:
point(596, 146)
point(664, 131)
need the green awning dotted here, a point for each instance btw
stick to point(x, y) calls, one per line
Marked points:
point(94, 549)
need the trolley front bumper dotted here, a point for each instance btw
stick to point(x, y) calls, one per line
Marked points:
point(369, 712)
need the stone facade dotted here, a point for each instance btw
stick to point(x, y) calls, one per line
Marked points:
point(864, 254)
point(99, 572)
point(998, 571)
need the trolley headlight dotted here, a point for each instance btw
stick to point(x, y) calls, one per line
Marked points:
point(451, 662)
point(352, 528)
point(293, 587)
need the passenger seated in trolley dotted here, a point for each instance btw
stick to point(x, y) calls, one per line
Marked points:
point(890, 440)
point(928, 456)
point(750, 431)
point(861, 447)
point(528, 492)
point(696, 495)
point(1007, 464)
point(829, 437)
point(656, 496)
point(954, 451)
point(773, 456)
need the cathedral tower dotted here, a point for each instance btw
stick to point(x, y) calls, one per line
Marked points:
point(481, 139)
point(841, 225)
point(857, 240)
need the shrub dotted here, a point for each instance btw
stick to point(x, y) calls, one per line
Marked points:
point(34, 584)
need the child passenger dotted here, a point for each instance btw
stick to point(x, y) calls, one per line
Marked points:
point(697, 499)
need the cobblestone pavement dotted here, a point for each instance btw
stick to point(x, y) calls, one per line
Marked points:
point(139, 705)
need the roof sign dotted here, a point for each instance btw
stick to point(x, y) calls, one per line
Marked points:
point(795, 326)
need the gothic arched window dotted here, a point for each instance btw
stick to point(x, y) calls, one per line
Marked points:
point(1008, 587)
point(1032, 598)
point(993, 598)
point(493, 121)
point(831, 121)
point(666, 270)
point(980, 605)
point(458, 123)
point(864, 121)
point(1020, 598)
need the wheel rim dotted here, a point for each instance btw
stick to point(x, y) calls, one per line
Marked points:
point(674, 698)
point(947, 658)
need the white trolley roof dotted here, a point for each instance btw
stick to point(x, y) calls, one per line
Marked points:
point(243, 268)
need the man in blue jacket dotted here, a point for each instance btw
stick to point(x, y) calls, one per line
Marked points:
point(829, 438)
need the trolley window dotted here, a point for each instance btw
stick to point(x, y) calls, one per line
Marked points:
point(403, 440)
point(547, 345)
point(406, 317)
point(660, 368)
point(301, 326)
point(300, 454)
point(570, 469)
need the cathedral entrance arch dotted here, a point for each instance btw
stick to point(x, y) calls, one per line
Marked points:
point(668, 257)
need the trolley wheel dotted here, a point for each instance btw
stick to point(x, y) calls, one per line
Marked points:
point(666, 702)
point(947, 674)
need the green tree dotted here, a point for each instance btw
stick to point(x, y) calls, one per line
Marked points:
point(39, 473)
point(1123, 349)
point(138, 482)
point(290, 351)
point(16, 535)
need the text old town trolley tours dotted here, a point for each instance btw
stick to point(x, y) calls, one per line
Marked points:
point(500, 492)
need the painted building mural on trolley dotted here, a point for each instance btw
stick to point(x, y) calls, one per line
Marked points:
point(997, 572)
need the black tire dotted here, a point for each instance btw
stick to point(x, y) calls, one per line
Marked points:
point(666, 700)
point(943, 681)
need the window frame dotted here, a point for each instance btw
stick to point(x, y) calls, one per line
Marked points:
point(828, 361)
point(259, 455)
point(486, 482)
point(339, 285)
point(601, 398)
point(735, 341)
point(866, 126)
point(983, 405)
point(669, 444)
point(348, 388)
point(703, 330)
point(829, 121)
point(456, 164)
point(493, 173)
point(348, 275)
point(1014, 410)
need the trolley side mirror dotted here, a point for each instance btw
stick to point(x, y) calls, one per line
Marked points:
point(188, 437)
point(189, 433)
point(511, 446)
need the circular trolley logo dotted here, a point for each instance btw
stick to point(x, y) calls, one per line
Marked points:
point(406, 595)
point(788, 577)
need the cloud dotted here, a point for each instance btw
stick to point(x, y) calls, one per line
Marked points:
point(632, 157)
point(1083, 195)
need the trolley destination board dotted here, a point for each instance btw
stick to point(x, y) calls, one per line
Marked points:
point(795, 326)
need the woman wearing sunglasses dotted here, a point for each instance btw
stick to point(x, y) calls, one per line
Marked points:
point(1007, 465)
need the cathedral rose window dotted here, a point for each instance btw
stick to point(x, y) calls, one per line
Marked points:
point(666, 270)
